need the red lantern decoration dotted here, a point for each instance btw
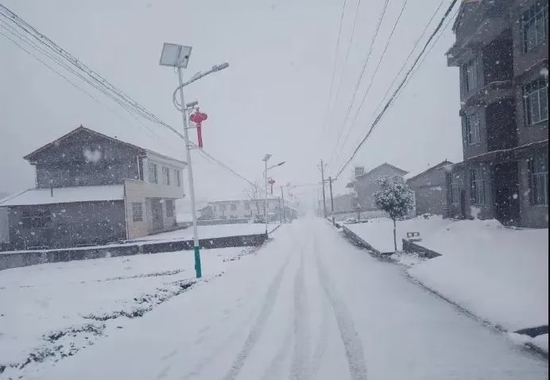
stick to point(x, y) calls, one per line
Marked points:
point(197, 118)
point(271, 182)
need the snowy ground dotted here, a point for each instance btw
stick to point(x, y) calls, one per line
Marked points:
point(221, 230)
point(51, 311)
point(378, 232)
point(498, 274)
point(309, 305)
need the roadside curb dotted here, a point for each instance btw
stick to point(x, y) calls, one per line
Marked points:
point(476, 317)
point(359, 242)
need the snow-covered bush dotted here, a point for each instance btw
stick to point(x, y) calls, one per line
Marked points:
point(395, 198)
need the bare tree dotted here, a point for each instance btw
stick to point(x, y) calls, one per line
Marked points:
point(254, 193)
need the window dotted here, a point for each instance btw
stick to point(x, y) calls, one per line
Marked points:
point(477, 186)
point(178, 177)
point(473, 135)
point(470, 76)
point(247, 206)
point(137, 211)
point(538, 180)
point(233, 206)
point(455, 190)
point(534, 26)
point(153, 175)
point(535, 101)
point(169, 208)
point(36, 218)
point(165, 176)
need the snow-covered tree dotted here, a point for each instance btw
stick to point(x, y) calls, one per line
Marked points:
point(395, 198)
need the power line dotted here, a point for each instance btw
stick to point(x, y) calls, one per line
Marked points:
point(365, 63)
point(382, 56)
point(417, 42)
point(348, 50)
point(335, 63)
point(397, 91)
point(64, 59)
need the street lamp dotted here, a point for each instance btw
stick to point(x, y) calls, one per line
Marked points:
point(265, 160)
point(174, 55)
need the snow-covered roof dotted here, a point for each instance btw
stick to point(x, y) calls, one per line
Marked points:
point(414, 174)
point(65, 195)
point(144, 144)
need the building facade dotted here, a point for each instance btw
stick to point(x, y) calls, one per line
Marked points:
point(93, 189)
point(501, 50)
point(430, 189)
point(247, 209)
point(366, 184)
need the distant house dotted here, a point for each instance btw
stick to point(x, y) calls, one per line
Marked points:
point(234, 209)
point(365, 184)
point(430, 189)
point(93, 189)
point(343, 203)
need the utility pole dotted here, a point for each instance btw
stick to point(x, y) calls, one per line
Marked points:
point(322, 167)
point(331, 200)
point(196, 246)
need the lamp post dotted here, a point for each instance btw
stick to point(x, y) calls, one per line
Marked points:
point(265, 160)
point(177, 56)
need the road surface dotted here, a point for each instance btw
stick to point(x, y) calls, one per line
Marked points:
point(309, 305)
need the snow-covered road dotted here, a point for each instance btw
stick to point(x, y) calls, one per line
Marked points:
point(309, 305)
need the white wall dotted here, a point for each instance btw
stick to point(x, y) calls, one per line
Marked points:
point(4, 225)
point(240, 210)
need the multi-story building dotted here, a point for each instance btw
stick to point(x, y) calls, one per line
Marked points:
point(243, 209)
point(93, 189)
point(501, 50)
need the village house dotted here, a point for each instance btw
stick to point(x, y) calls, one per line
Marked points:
point(93, 189)
point(235, 209)
point(501, 50)
point(366, 184)
point(429, 187)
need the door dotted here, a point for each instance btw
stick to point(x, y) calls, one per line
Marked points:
point(506, 191)
point(156, 212)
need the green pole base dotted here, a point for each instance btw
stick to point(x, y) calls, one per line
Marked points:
point(198, 267)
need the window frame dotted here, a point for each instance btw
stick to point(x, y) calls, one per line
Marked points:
point(166, 175)
point(535, 91)
point(137, 215)
point(178, 177)
point(471, 75)
point(478, 192)
point(36, 218)
point(153, 176)
point(538, 179)
point(468, 128)
point(534, 26)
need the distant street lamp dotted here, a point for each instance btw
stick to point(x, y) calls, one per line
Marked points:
point(265, 160)
point(174, 55)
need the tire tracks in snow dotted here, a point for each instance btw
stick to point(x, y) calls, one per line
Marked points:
point(321, 346)
point(352, 343)
point(299, 368)
point(259, 325)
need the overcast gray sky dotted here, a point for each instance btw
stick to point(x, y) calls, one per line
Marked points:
point(272, 99)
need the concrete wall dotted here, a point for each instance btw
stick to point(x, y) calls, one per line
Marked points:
point(135, 192)
point(4, 226)
point(71, 224)
point(67, 165)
